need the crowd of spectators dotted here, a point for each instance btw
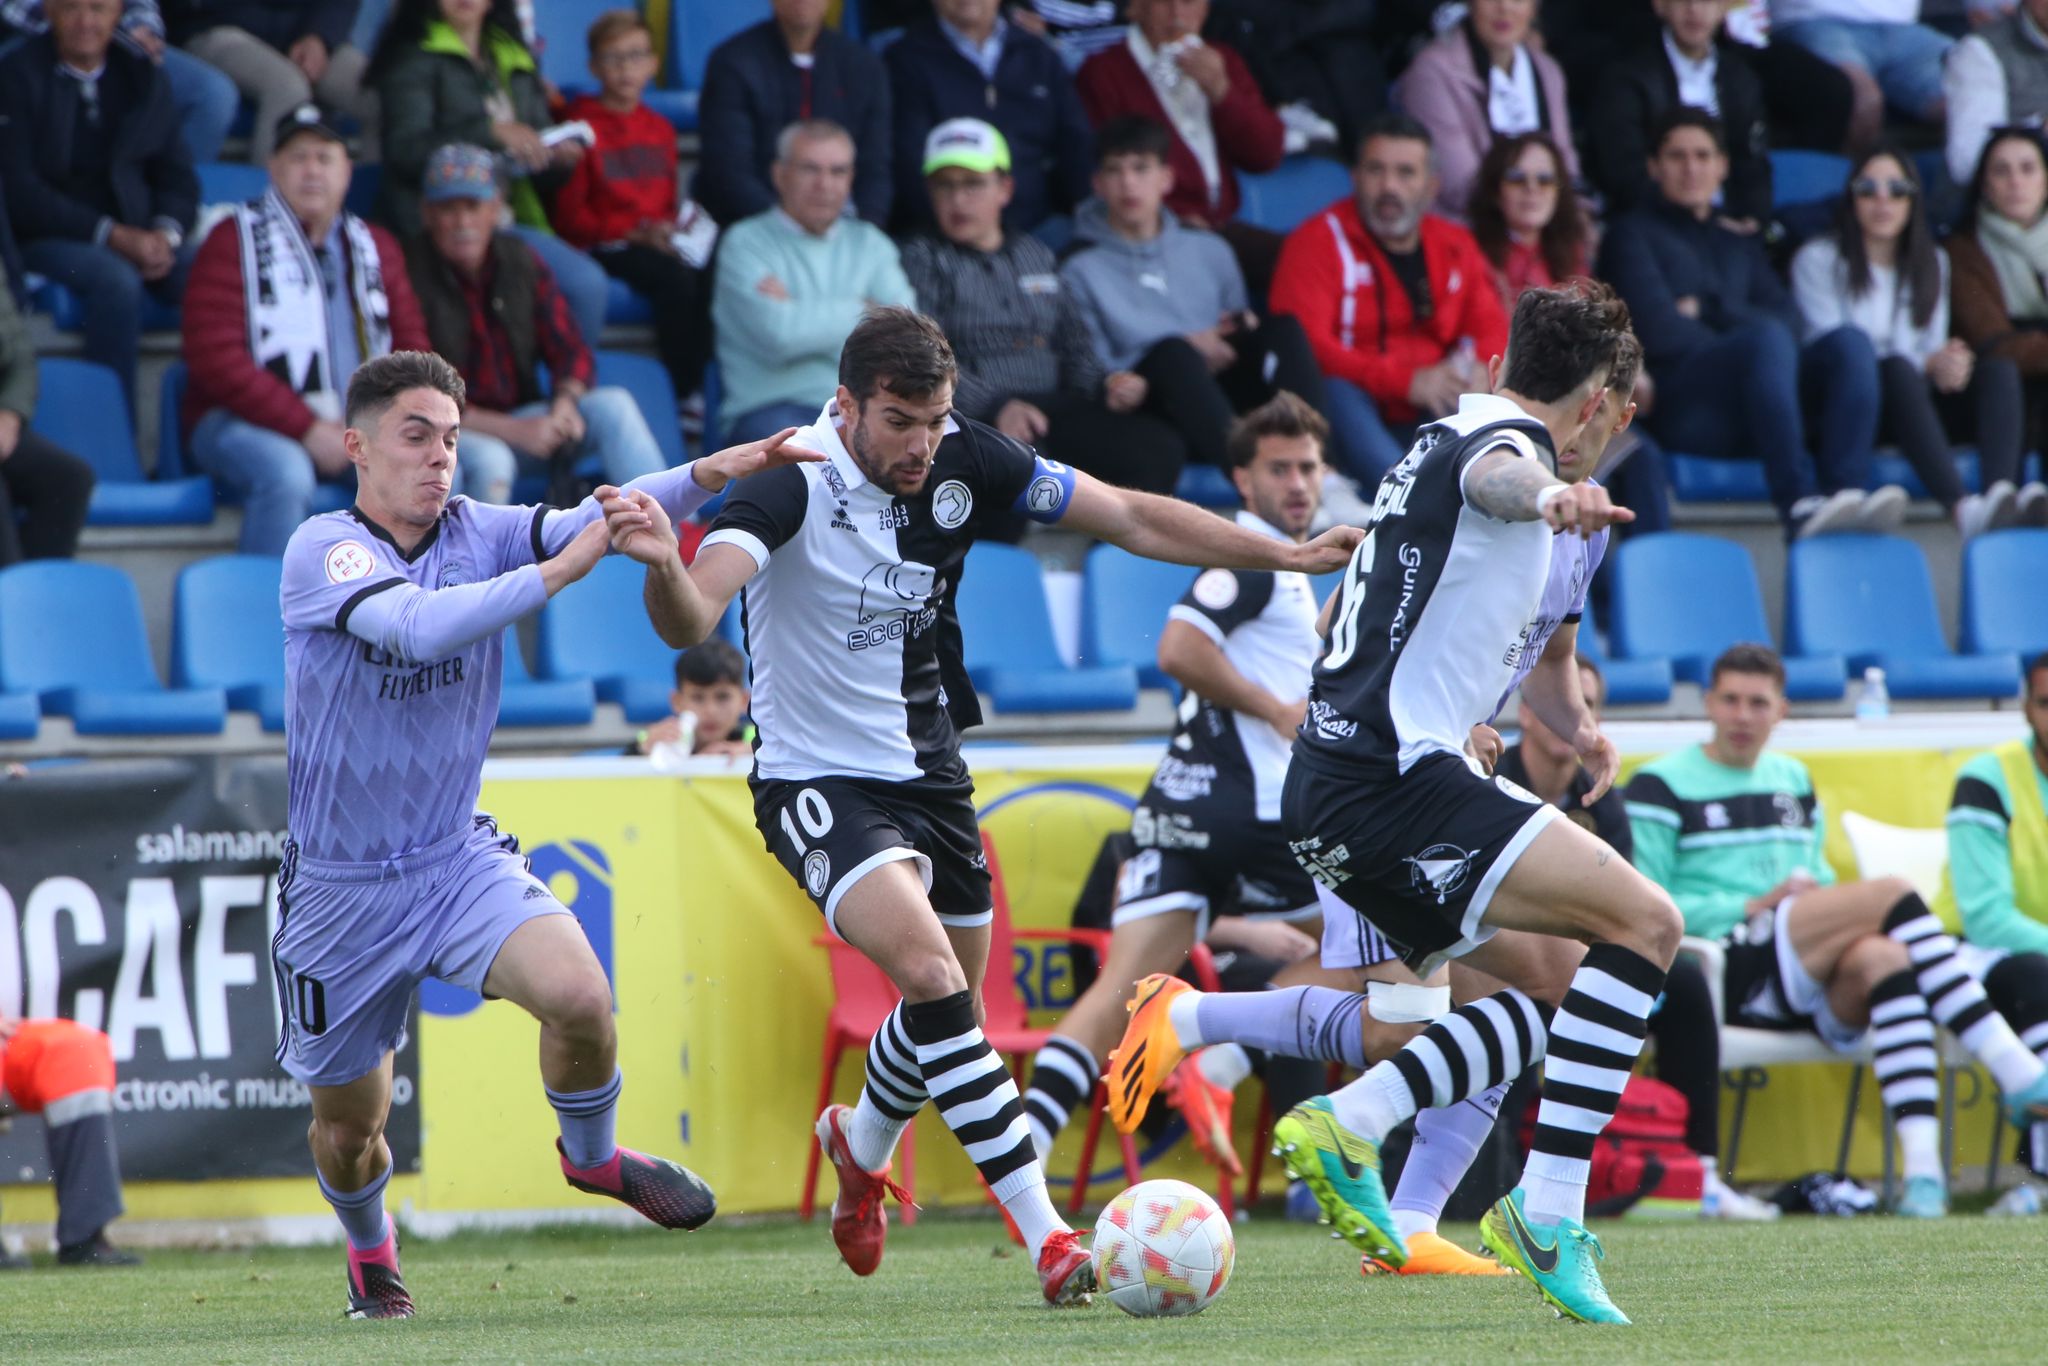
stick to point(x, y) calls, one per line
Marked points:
point(1062, 184)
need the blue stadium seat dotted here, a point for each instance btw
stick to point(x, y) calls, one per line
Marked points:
point(1124, 602)
point(72, 634)
point(19, 716)
point(1660, 611)
point(1871, 600)
point(525, 701)
point(561, 31)
point(1206, 486)
point(1008, 639)
point(624, 307)
point(646, 379)
point(694, 29)
point(1281, 199)
point(1704, 479)
point(231, 182)
point(2005, 593)
point(227, 633)
point(82, 409)
point(1630, 682)
point(597, 628)
point(1802, 177)
point(174, 458)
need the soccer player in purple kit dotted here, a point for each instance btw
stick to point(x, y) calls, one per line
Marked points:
point(394, 614)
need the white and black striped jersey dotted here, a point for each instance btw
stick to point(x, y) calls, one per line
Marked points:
point(849, 617)
point(1436, 604)
point(1264, 621)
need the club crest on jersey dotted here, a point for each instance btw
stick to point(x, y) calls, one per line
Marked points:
point(894, 603)
point(952, 504)
point(1440, 869)
point(1044, 495)
point(817, 871)
point(834, 480)
point(452, 574)
point(349, 560)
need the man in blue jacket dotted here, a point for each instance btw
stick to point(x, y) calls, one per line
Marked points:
point(99, 188)
point(1720, 338)
point(967, 61)
point(787, 70)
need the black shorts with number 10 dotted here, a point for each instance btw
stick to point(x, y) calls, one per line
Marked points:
point(828, 833)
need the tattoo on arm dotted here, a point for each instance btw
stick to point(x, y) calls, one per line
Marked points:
point(1604, 856)
point(1505, 485)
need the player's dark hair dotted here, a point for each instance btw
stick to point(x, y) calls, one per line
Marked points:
point(1761, 660)
point(377, 382)
point(1592, 666)
point(1563, 336)
point(2035, 665)
point(898, 349)
point(1628, 360)
point(1132, 136)
point(1393, 124)
point(1685, 116)
point(1286, 414)
point(710, 664)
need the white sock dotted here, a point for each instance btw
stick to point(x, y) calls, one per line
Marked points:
point(1554, 1188)
point(1180, 1013)
point(1371, 1106)
point(1920, 1147)
point(871, 1135)
point(1224, 1064)
point(1023, 1194)
point(1446, 1141)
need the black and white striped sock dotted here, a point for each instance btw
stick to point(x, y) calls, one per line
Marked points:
point(1468, 1051)
point(1956, 999)
point(890, 1098)
point(1595, 1038)
point(979, 1103)
point(1063, 1078)
point(2018, 987)
point(1903, 1057)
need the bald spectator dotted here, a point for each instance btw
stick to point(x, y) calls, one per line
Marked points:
point(1205, 96)
point(792, 282)
point(784, 70)
point(967, 61)
point(289, 294)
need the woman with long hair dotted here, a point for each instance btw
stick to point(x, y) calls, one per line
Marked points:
point(1998, 262)
point(1880, 273)
point(449, 71)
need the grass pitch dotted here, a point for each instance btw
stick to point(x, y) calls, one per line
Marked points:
point(1869, 1289)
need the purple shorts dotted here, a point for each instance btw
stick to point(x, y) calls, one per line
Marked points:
point(354, 941)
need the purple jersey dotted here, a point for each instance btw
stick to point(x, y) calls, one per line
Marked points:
point(1572, 563)
point(393, 664)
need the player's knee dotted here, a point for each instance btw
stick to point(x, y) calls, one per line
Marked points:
point(349, 1139)
point(1656, 928)
point(1888, 892)
point(581, 1007)
point(1869, 961)
point(932, 975)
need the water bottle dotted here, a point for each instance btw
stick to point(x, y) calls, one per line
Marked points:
point(1874, 703)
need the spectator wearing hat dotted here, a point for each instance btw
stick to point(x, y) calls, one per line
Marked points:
point(493, 311)
point(279, 53)
point(792, 282)
point(289, 294)
point(1205, 95)
point(44, 489)
point(786, 69)
point(965, 60)
point(99, 188)
point(206, 100)
point(1027, 365)
point(620, 201)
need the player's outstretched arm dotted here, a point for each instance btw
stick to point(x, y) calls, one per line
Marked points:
point(684, 489)
point(1181, 533)
point(1515, 488)
point(1198, 664)
point(684, 604)
point(433, 623)
point(1553, 693)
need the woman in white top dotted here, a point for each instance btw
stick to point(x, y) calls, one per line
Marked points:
point(1881, 273)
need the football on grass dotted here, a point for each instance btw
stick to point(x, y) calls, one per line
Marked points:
point(1161, 1248)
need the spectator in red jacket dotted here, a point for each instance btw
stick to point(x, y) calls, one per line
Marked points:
point(288, 295)
point(619, 203)
point(1399, 305)
point(1205, 95)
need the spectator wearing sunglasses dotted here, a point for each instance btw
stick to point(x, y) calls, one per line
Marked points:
point(1999, 260)
point(1880, 285)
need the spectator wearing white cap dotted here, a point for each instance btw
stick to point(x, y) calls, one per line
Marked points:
point(1027, 363)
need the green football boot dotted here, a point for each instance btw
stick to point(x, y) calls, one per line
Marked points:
point(1342, 1171)
point(1562, 1258)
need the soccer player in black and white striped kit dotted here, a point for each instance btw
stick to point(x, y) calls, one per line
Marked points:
point(850, 568)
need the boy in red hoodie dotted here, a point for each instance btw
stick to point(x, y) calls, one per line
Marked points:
point(620, 202)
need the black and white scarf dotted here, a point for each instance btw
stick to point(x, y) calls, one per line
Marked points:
point(285, 298)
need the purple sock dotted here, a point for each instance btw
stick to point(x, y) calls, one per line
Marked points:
point(361, 1212)
point(1320, 1023)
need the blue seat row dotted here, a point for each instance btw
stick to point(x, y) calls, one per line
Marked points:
point(1851, 602)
